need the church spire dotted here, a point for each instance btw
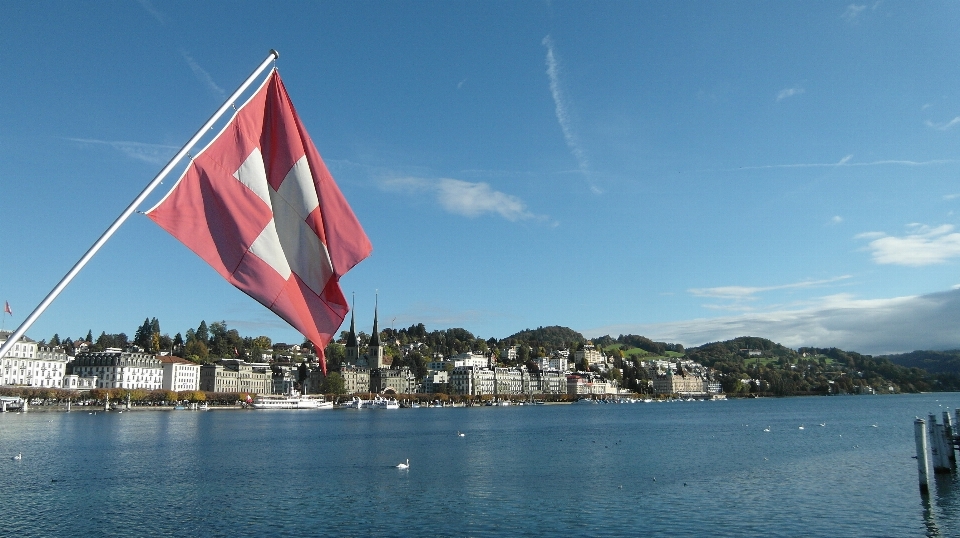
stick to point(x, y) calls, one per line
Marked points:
point(352, 345)
point(375, 337)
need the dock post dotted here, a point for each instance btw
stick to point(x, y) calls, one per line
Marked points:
point(940, 465)
point(3, 406)
point(920, 436)
point(948, 440)
point(68, 405)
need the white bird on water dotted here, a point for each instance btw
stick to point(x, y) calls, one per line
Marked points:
point(404, 465)
point(18, 457)
point(461, 434)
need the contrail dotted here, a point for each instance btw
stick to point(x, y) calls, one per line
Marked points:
point(553, 71)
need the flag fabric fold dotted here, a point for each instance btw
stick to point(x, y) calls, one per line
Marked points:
point(259, 205)
point(6, 308)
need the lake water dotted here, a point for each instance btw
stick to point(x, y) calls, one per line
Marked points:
point(668, 469)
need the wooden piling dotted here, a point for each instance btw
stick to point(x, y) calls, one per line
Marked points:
point(941, 464)
point(920, 436)
point(948, 440)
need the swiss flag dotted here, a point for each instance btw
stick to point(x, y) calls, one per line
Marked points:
point(259, 205)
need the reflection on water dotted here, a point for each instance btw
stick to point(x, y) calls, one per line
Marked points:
point(737, 468)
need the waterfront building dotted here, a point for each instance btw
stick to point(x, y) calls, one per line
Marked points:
point(116, 369)
point(355, 379)
point(75, 382)
point(583, 384)
point(472, 381)
point(548, 382)
point(235, 375)
point(179, 374)
point(436, 382)
point(32, 365)
point(678, 381)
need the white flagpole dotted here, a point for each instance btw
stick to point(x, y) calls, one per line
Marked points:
point(133, 206)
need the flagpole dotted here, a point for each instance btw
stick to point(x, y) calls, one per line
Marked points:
point(134, 205)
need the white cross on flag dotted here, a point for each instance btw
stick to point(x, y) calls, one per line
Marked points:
point(260, 207)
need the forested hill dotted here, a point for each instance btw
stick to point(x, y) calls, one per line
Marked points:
point(739, 347)
point(554, 337)
point(935, 362)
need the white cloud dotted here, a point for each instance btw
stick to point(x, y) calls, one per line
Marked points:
point(150, 153)
point(464, 198)
point(836, 219)
point(874, 326)
point(951, 196)
point(922, 245)
point(203, 76)
point(943, 126)
point(852, 12)
point(729, 292)
point(789, 92)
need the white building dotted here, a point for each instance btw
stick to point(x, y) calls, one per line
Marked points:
point(75, 382)
point(116, 369)
point(26, 363)
point(477, 360)
point(179, 374)
point(588, 354)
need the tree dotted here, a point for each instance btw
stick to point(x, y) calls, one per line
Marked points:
point(333, 384)
point(144, 335)
point(202, 333)
point(177, 345)
point(196, 351)
point(335, 354)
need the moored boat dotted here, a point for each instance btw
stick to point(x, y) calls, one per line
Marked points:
point(291, 401)
point(380, 402)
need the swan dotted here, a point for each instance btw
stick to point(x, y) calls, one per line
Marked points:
point(801, 427)
point(18, 457)
point(404, 465)
point(766, 429)
point(461, 434)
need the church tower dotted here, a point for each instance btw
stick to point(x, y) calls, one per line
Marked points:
point(374, 348)
point(353, 345)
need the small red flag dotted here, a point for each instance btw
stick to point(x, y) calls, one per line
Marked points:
point(6, 308)
point(259, 206)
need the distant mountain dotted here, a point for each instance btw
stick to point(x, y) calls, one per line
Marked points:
point(935, 362)
point(551, 337)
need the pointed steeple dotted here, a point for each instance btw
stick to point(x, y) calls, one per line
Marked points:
point(353, 345)
point(352, 335)
point(375, 337)
point(374, 347)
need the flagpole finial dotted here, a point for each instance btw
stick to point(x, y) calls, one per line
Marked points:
point(276, 55)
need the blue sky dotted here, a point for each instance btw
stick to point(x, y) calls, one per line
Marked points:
point(687, 171)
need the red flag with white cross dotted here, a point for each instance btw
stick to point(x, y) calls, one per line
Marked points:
point(259, 206)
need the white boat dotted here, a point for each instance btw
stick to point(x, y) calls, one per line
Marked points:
point(354, 403)
point(380, 402)
point(291, 401)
